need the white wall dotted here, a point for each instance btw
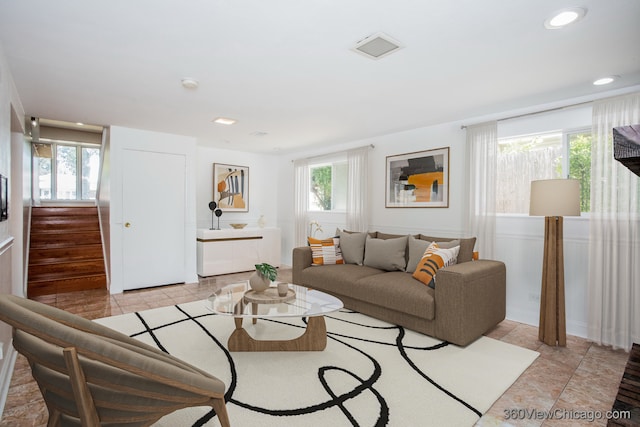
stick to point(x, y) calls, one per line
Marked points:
point(519, 238)
point(263, 187)
point(444, 222)
point(126, 138)
point(103, 200)
point(20, 207)
point(6, 85)
point(11, 114)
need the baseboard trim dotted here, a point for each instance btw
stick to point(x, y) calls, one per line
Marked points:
point(5, 376)
point(532, 318)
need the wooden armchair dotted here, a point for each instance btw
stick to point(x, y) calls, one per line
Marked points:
point(91, 375)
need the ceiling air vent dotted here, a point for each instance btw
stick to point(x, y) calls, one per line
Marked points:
point(377, 46)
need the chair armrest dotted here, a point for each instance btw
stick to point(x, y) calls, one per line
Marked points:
point(470, 299)
point(301, 260)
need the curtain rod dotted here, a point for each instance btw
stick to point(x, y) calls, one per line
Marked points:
point(533, 113)
point(337, 152)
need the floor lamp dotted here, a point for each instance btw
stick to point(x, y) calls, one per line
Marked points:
point(553, 199)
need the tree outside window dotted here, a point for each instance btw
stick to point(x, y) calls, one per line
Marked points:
point(328, 186)
point(321, 187)
point(580, 166)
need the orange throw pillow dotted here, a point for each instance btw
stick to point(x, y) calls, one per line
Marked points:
point(434, 258)
point(326, 251)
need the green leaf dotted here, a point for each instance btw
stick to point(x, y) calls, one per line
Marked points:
point(267, 270)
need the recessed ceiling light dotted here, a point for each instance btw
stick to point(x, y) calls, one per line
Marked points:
point(224, 121)
point(565, 17)
point(80, 123)
point(604, 80)
point(189, 83)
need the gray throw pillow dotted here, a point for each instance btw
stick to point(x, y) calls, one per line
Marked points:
point(352, 247)
point(386, 254)
point(449, 245)
point(417, 248)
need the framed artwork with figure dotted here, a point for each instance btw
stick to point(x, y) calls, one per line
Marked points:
point(418, 180)
point(231, 187)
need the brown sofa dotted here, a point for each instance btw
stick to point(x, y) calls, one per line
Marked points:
point(468, 300)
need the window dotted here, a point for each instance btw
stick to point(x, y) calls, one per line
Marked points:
point(328, 186)
point(580, 165)
point(72, 176)
point(541, 156)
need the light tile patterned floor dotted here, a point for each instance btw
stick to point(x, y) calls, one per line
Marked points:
point(565, 381)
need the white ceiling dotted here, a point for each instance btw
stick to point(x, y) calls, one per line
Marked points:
point(286, 67)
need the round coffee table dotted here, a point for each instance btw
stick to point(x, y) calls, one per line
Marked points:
point(240, 302)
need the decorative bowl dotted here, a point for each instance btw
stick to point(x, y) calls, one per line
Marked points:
point(238, 226)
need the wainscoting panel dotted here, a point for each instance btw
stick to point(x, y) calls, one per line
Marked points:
point(520, 245)
point(8, 354)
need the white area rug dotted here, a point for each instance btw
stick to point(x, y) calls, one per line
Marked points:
point(371, 373)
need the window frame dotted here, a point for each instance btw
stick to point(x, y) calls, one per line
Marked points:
point(54, 169)
point(332, 162)
point(566, 149)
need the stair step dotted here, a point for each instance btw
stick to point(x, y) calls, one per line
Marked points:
point(65, 252)
point(63, 211)
point(65, 269)
point(74, 253)
point(37, 288)
point(52, 240)
point(52, 224)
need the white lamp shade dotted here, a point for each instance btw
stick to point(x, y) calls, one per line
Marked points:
point(555, 197)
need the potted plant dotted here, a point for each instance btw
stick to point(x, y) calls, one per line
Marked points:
point(263, 276)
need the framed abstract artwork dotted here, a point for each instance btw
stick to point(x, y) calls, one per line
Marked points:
point(231, 187)
point(418, 180)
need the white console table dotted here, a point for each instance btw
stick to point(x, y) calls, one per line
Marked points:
point(230, 250)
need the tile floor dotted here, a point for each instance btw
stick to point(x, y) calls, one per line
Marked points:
point(572, 382)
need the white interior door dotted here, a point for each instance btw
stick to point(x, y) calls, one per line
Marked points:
point(153, 218)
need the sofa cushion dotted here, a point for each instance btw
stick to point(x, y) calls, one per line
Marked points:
point(434, 259)
point(386, 236)
point(398, 291)
point(417, 247)
point(335, 278)
point(352, 246)
point(388, 255)
point(466, 246)
point(325, 251)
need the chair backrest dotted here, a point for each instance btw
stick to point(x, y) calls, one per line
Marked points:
point(90, 374)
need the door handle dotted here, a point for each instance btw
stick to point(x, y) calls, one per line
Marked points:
point(127, 224)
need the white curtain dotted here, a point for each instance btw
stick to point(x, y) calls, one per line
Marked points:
point(357, 190)
point(482, 146)
point(614, 239)
point(301, 202)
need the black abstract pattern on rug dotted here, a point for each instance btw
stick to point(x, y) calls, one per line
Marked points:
point(365, 385)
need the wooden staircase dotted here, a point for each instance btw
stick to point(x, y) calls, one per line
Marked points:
point(65, 252)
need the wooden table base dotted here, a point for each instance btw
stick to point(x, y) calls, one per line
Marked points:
point(314, 338)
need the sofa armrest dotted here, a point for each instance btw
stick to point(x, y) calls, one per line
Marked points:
point(301, 260)
point(470, 299)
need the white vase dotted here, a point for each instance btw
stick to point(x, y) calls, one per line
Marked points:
point(258, 282)
point(261, 221)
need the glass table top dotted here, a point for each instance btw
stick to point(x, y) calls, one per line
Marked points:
point(230, 300)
